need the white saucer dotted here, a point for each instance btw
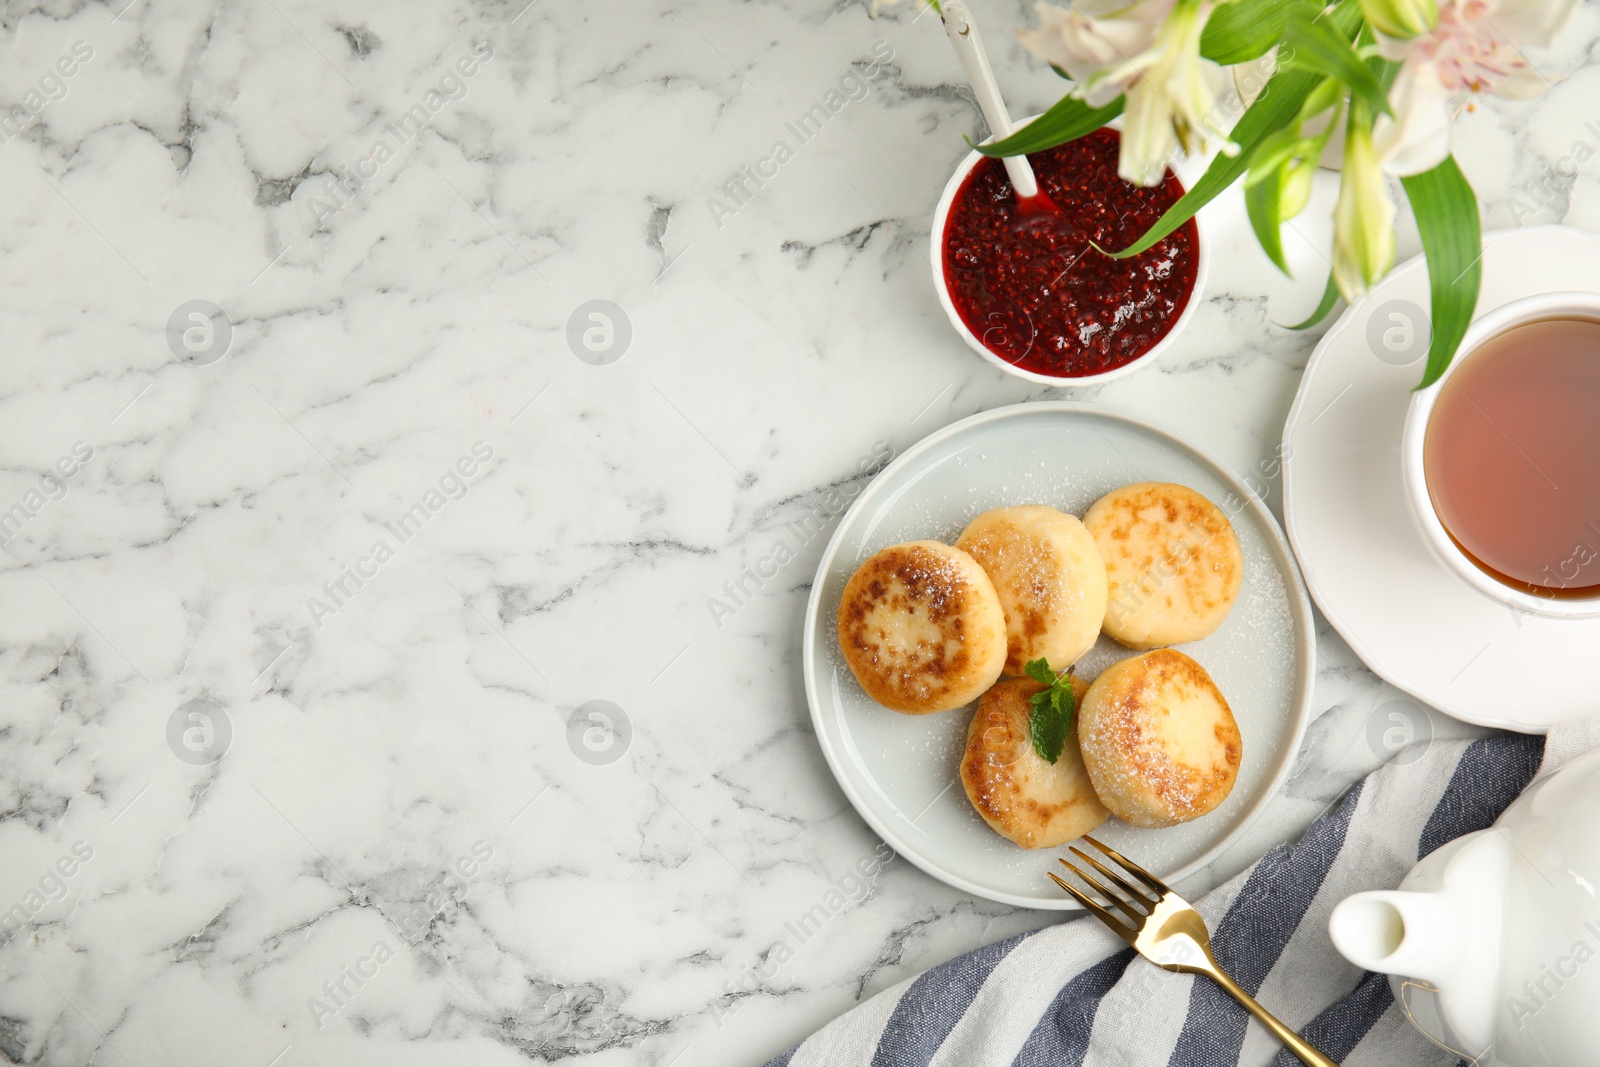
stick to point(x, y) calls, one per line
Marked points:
point(1421, 628)
point(900, 771)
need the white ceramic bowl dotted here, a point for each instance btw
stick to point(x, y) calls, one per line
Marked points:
point(1187, 171)
point(1506, 317)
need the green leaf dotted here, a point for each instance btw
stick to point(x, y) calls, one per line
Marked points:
point(1446, 210)
point(1263, 203)
point(1274, 151)
point(1049, 730)
point(1039, 670)
point(1277, 105)
point(1062, 696)
point(1382, 69)
point(1329, 94)
point(1242, 30)
point(1294, 190)
point(1316, 44)
point(1051, 717)
point(1330, 297)
point(1068, 120)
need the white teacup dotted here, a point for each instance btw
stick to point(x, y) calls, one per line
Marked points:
point(1564, 305)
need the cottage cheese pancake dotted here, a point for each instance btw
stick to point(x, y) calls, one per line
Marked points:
point(1051, 582)
point(1033, 803)
point(1159, 740)
point(1173, 565)
point(921, 628)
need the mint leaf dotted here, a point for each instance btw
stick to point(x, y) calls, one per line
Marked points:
point(1063, 698)
point(1049, 731)
point(1039, 670)
point(1052, 710)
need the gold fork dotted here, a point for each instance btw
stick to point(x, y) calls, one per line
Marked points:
point(1167, 931)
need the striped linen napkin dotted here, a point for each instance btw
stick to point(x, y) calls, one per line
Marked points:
point(1075, 994)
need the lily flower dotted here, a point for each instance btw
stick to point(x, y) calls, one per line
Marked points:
point(1150, 51)
point(1363, 219)
point(1469, 49)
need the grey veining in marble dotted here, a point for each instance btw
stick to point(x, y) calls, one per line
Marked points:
point(307, 600)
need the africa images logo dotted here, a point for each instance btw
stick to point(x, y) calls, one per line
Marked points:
point(454, 484)
point(1537, 993)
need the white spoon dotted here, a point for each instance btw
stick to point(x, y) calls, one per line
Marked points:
point(963, 34)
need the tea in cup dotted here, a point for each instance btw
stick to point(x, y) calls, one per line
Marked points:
point(1501, 456)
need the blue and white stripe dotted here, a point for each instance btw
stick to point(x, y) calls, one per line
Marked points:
point(1074, 994)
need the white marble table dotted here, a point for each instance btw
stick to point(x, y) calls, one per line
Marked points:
point(294, 626)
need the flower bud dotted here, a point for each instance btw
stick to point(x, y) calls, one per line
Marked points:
point(1363, 220)
point(1401, 19)
point(1295, 191)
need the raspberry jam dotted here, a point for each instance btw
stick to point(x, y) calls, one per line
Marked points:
point(1032, 288)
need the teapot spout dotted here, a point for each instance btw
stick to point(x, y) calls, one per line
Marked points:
point(1404, 933)
point(1442, 928)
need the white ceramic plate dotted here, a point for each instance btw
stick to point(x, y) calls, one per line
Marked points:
point(900, 771)
point(1421, 628)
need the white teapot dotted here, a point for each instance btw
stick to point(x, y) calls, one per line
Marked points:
point(1492, 942)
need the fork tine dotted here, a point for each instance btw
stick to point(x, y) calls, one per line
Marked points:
point(1123, 906)
point(1131, 867)
point(1127, 887)
point(1102, 914)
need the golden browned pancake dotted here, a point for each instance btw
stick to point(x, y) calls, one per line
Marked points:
point(1023, 798)
point(1159, 739)
point(1051, 582)
point(1173, 565)
point(921, 628)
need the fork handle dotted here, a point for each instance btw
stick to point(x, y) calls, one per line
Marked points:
point(1297, 1044)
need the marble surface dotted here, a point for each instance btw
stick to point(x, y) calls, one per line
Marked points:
point(296, 624)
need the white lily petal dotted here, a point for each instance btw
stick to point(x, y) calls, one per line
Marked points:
point(1532, 23)
point(1148, 140)
point(1418, 137)
point(1087, 47)
point(1521, 82)
point(1477, 44)
point(1150, 51)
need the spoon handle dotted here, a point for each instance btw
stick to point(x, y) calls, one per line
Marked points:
point(963, 34)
